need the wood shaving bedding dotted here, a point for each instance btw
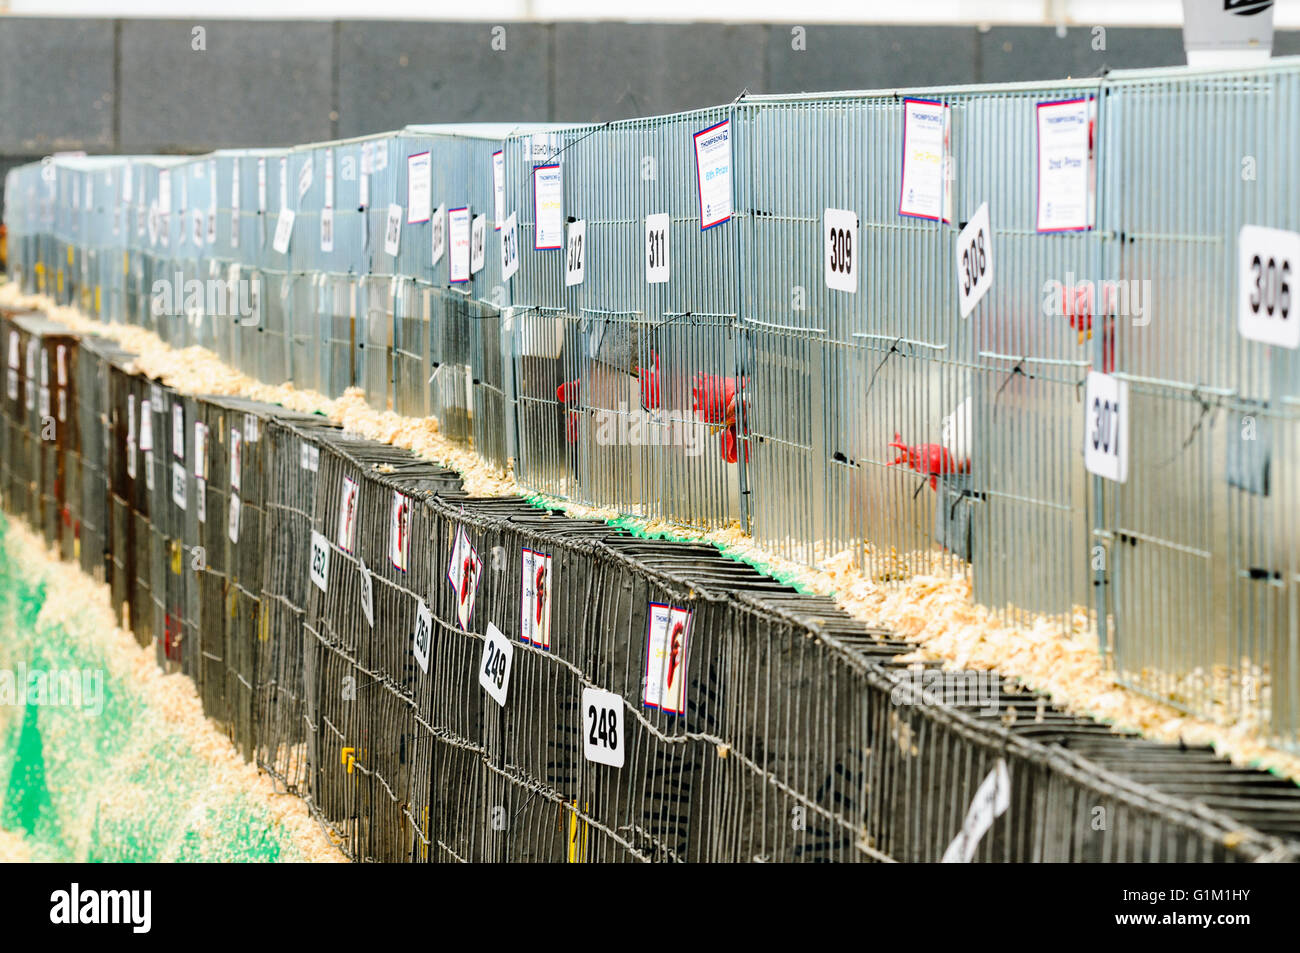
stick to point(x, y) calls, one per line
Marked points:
point(84, 608)
point(934, 610)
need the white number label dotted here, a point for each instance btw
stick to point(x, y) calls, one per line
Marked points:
point(656, 249)
point(478, 243)
point(494, 670)
point(393, 230)
point(1267, 258)
point(840, 234)
point(439, 236)
point(509, 247)
point(1105, 448)
point(602, 727)
point(327, 229)
point(974, 260)
point(367, 595)
point(576, 257)
point(283, 231)
point(320, 561)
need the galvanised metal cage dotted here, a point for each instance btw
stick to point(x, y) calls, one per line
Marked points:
point(877, 426)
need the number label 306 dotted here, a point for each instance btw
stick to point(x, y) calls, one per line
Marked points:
point(1266, 262)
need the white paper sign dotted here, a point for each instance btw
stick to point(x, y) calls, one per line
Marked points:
point(200, 450)
point(548, 207)
point(535, 599)
point(665, 658)
point(283, 231)
point(494, 667)
point(575, 258)
point(201, 500)
point(419, 188)
point(438, 233)
point(328, 200)
point(261, 184)
point(1105, 442)
point(1064, 166)
point(1267, 260)
point(232, 524)
point(393, 229)
point(992, 798)
point(304, 180)
point(399, 531)
point(840, 244)
point(178, 430)
point(458, 235)
point(178, 484)
point(423, 640)
point(509, 247)
point(602, 727)
point(656, 248)
point(234, 205)
point(713, 173)
point(477, 243)
point(498, 189)
point(236, 458)
point(367, 595)
point(146, 426)
point(925, 128)
point(464, 570)
point(974, 260)
point(348, 501)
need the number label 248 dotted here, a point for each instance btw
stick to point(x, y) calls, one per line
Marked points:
point(602, 727)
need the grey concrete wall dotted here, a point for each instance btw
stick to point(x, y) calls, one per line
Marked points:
point(139, 86)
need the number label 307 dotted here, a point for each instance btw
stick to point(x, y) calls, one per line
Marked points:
point(1105, 439)
point(602, 727)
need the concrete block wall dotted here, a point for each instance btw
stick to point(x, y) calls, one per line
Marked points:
point(140, 86)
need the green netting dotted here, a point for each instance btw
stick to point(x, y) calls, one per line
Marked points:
point(121, 785)
point(637, 527)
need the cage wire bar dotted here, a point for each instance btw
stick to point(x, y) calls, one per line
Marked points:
point(744, 391)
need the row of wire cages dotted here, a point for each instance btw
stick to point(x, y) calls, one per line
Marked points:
point(587, 303)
